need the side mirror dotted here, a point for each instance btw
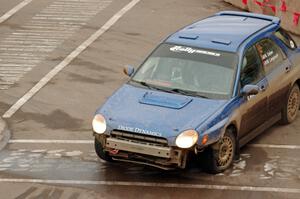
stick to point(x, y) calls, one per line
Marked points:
point(250, 89)
point(128, 70)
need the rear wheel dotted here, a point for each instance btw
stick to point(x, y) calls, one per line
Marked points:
point(219, 156)
point(101, 152)
point(291, 107)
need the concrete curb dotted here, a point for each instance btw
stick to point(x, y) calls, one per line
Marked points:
point(4, 134)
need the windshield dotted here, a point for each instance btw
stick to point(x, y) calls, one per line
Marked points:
point(176, 68)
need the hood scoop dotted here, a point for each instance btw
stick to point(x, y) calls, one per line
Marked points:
point(156, 99)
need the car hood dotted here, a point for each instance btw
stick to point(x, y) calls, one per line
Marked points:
point(156, 113)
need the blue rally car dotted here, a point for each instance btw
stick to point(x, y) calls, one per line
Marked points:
point(205, 91)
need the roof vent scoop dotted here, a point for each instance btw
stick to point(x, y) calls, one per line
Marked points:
point(221, 41)
point(191, 37)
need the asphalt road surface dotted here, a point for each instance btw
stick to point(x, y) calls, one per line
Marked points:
point(50, 153)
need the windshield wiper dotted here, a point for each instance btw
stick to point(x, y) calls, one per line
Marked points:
point(186, 92)
point(150, 86)
point(174, 90)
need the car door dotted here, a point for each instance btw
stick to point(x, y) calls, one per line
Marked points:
point(254, 109)
point(276, 66)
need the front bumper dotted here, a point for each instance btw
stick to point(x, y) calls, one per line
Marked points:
point(141, 152)
point(124, 145)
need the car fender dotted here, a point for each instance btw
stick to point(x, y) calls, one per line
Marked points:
point(230, 115)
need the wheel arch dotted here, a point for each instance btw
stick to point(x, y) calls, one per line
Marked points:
point(234, 129)
point(297, 82)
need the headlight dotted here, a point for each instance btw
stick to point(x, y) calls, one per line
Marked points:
point(187, 139)
point(99, 124)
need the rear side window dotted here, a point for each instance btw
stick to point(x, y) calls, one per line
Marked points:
point(286, 39)
point(252, 71)
point(270, 54)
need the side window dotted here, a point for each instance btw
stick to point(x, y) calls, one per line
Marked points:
point(270, 54)
point(285, 38)
point(252, 71)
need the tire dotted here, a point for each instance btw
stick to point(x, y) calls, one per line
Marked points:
point(291, 107)
point(219, 157)
point(102, 154)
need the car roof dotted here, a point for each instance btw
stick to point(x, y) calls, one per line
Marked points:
point(224, 31)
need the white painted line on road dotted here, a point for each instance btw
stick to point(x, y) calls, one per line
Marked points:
point(61, 18)
point(36, 46)
point(68, 59)
point(35, 35)
point(21, 39)
point(4, 87)
point(275, 146)
point(159, 185)
point(49, 141)
point(12, 65)
point(28, 141)
point(14, 10)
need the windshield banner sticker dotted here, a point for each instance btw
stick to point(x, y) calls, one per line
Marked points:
point(192, 51)
point(138, 130)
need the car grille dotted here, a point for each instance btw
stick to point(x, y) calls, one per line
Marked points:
point(138, 138)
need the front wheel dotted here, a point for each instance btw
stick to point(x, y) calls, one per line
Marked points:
point(101, 152)
point(291, 106)
point(219, 156)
